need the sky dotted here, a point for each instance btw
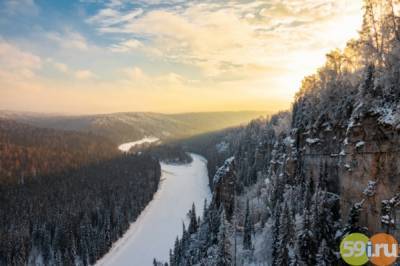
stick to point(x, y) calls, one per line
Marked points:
point(101, 56)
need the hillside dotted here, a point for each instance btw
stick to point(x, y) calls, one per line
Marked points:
point(66, 196)
point(27, 151)
point(289, 188)
point(124, 127)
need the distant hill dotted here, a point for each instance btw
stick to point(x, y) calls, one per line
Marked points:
point(122, 127)
point(27, 151)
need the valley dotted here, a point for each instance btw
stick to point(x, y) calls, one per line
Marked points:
point(154, 231)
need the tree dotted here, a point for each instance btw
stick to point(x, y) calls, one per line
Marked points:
point(352, 225)
point(324, 257)
point(275, 235)
point(305, 240)
point(193, 220)
point(286, 233)
point(368, 82)
point(247, 243)
point(224, 245)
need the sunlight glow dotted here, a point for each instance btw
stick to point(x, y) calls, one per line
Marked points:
point(180, 57)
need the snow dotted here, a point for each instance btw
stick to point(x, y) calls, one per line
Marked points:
point(223, 169)
point(370, 190)
point(222, 147)
point(387, 115)
point(288, 141)
point(312, 141)
point(155, 230)
point(127, 146)
point(360, 144)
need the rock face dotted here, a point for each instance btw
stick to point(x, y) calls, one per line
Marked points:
point(361, 163)
point(224, 187)
point(372, 153)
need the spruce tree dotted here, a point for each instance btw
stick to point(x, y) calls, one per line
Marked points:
point(275, 235)
point(324, 257)
point(247, 244)
point(305, 241)
point(285, 237)
point(224, 256)
point(193, 221)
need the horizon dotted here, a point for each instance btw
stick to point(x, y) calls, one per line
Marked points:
point(24, 112)
point(89, 57)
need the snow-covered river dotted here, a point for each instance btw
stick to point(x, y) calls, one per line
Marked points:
point(154, 232)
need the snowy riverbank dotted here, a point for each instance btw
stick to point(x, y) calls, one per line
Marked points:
point(155, 230)
point(127, 146)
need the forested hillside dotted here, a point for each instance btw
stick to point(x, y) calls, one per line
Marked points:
point(65, 197)
point(298, 182)
point(125, 127)
point(26, 151)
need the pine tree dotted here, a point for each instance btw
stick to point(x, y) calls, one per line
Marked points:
point(368, 84)
point(352, 225)
point(285, 237)
point(247, 243)
point(275, 235)
point(171, 258)
point(324, 226)
point(205, 210)
point(305, 241)
point(193, 221)
point(177, 253)
point(224, 256)
point(324, 257)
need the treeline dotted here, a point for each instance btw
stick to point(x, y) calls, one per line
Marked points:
point(363, 78)
point(26, 151)
point(171, 154)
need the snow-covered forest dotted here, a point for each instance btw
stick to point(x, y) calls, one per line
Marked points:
point(285, 189)
point(65, 197)
point(294, 184)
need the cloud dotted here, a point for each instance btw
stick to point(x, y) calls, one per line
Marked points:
point(18, 75)
point(212, 35)
point(61, 67)
point(69, 39)
point(126, 46)
point(17, 64)
point(235, 54)
point(20, 7)
point(108, 16)
point(84, 74)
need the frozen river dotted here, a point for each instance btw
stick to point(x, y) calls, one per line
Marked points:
point(154, 232)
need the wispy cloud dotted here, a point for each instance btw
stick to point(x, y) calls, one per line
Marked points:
point(126, 46)
point(69, 39)
point(212, 35)
point(16, 63)
point(111, 17)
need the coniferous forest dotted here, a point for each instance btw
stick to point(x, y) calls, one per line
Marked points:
point(285, 189)
point(66, 197)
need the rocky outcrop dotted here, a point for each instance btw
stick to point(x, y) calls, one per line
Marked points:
point(359, 162)
point(224, 187)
